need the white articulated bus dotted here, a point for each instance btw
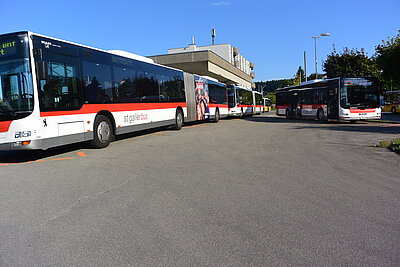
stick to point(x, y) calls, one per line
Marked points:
point(347, 99)
point(54, 92)
point(240, 101)
point(258, 102)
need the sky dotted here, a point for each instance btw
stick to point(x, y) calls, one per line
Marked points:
point(273, 34)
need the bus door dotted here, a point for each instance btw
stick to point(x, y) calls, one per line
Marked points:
point(295, 104)
point(60, 90)
point(333, 103)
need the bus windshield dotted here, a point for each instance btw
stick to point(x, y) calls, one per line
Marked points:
point(16, 88)
point(359, 93)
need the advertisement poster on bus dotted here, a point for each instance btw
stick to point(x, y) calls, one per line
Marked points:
point(202, 100)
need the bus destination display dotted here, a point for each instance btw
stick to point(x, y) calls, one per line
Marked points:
point(8, 48)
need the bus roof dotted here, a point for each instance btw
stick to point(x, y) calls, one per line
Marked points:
point(112, 52)
point(313, 83)
point(306, 84)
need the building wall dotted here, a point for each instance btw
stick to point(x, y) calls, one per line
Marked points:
point(226, 51)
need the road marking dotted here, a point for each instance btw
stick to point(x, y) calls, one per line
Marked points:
point(64, 158)
point(82, 154)
point(160, 133)
point(196, 126)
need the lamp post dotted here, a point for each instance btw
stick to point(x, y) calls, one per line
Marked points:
point(315, 51)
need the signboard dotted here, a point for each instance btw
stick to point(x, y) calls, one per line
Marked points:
point(8, 48)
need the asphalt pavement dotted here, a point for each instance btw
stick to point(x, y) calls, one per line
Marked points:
point(260, 191)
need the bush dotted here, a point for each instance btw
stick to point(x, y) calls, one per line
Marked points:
point(392, 145)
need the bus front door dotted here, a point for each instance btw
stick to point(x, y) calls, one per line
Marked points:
point(333, 103)
point(295, 105)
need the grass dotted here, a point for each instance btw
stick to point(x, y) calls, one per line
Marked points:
point(392, 145)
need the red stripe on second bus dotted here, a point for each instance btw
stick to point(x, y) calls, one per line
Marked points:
point(282, 107)
point(4, 126)
point(94, 108)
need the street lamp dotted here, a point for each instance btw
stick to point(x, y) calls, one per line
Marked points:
point(315, 51)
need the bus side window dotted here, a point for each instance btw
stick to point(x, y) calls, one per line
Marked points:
point(62, 89)
point(97, 82)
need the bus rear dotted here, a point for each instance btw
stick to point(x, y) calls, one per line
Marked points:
point(359, 99)
point(19, 127)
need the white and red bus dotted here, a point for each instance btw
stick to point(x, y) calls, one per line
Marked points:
point(347, 99)
point(54, 92)
point(258, 102)
point(240, 101)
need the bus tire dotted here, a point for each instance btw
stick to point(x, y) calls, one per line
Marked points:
point(393, 110)
point(102, 132)
point(217, 115)
point(178, 120)
point(320, 115)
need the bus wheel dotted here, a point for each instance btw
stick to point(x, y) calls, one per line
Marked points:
point(287, 114)
point(217, 115)
point(178, 120)
point(393, 110)
point(320, 115)
point(102, 132)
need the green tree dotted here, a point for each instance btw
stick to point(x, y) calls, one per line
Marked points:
point(271, 86)
point(387, 57)
point(272, 97)
point(350, 63)
point(299, 77)
point(313, 76)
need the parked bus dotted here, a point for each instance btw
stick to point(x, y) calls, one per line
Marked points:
point(348, 99)
point(392, 102)
point(211, 99)
point(267, 104)
point(240, 101)
point(54, 92)
point(258, 103)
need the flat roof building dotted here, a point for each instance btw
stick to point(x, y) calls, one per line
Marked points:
point(222, 62)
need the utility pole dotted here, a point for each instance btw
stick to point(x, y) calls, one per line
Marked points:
point(213, 33)
point(305, 66)
point(315, 51)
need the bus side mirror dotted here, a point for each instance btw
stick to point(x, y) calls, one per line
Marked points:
point(41, 70)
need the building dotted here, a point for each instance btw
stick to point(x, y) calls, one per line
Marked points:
point(222, 62)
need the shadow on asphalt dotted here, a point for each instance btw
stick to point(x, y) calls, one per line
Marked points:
point(33, 155)
point(24, 156)
point(331, 125)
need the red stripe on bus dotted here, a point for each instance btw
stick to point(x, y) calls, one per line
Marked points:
point(362, 111)
point(4, 126)
point(313, 106)
point(282, 107)
point(94, 108)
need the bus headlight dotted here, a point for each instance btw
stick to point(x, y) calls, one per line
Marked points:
point(22, 134)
